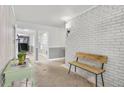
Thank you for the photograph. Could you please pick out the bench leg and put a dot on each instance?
(96, 80)
(102, 79)
(69, 69)
(75, 68)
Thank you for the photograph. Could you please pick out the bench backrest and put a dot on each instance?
(98, 58)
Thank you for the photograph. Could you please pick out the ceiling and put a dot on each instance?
(51, 15)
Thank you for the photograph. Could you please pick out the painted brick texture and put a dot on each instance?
(99, 31)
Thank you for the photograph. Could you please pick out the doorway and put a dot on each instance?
(43, 46)
(23, 43)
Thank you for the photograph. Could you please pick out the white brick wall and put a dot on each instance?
(100, 31)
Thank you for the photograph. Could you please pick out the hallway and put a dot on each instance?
(52, 74)
(89, 37)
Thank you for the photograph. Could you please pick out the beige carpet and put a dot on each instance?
(52, 74)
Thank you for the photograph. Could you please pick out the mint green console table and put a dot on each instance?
(15, 72)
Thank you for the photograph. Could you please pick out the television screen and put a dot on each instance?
(23, 47)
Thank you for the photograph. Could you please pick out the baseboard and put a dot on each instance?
(54, 59)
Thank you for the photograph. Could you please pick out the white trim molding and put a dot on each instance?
(54, 59)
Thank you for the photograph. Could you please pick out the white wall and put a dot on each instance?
(100, 31)
(56, 37)
(6, 35)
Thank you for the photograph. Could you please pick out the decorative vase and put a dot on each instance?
(21, 58)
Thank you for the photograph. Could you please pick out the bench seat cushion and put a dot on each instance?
(87, 67)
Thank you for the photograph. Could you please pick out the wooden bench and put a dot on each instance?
(93, 69)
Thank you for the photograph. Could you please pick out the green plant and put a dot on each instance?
(21, 57)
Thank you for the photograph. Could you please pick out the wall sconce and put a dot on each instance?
(68, 27)
(68, 32)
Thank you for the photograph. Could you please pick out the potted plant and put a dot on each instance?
(21, 57)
